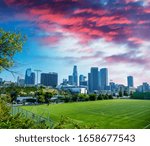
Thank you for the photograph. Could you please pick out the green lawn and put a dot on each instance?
(105, 114)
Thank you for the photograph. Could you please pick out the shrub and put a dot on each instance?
(92, 97)
(100, 97)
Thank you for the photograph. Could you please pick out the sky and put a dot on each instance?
(88, 33)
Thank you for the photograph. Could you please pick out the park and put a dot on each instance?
(105, 114)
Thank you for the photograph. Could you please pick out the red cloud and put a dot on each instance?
(87, 20)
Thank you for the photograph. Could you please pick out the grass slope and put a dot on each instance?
(107, 114)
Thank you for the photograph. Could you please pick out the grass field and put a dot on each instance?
(106, 114)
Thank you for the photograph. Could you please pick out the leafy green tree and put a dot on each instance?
(120, 94)
(48, 96)
(106, 97)
(41, 98)
(10, 44)
(75, 97)
(92, 97)
(100, 97)
(110, 97)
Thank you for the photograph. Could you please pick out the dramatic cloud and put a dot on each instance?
(123, 21)
(98, 32)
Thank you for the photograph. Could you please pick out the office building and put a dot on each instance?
(49, 79)
(82, 80)
(65, 82)
(70, 80)
(20, 82)
(103, 78)
(89, 82)
(29, 77)
(93, 80)
(130, 81)
(145, 87)
(75, 76)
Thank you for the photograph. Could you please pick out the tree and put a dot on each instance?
(17, 121)
(100, 97)
(120, 94)
(10, 44)
(92, 97)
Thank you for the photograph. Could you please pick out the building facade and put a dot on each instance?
(70, 80)
(130, 81)
(75, 76)
(103, 78)
(29, 77)
(82, 80)
(93, 80)
(49, 79)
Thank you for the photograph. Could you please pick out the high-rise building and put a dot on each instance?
(130, 81)
(20, 82)
(89, 82)
(70, 80)
(75, 75)
(146, 87)
(103, 78)
(29, 77)
(49, 79)
(93, 79)
(65, 82)
(82, 80)
(112, 86)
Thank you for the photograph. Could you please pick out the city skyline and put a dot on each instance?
(106, 78)
(97, 78)
(109, 34)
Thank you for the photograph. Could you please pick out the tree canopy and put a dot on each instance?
(10, 44)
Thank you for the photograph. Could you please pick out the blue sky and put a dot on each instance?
(111, 33)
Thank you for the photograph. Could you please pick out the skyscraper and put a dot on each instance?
(29, 77)
(89, 82)
(103, 78)
(94, 79)
(82, 81)
(70, 80)
(20, 82)
(146, 87)
(75, 75)
(49, 79)
(130, 81)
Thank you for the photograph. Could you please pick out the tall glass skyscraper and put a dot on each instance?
(70, 80)
(75, 75)
(49, 79)
(103, 78)
(29, 77)
(94, 79)
(82, 80)
(130, 81)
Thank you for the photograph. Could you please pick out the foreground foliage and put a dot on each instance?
(8, 121)
(10, 44)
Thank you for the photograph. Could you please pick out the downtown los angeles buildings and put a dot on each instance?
(96, 81)
(49, 79)
(29, 77)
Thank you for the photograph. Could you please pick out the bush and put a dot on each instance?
(138, 95)
(67, 99)
(100, 97)
(110, 97)
(74, 97)
(8, 121)
(92, 97)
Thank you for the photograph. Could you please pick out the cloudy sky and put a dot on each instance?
(102, 33)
